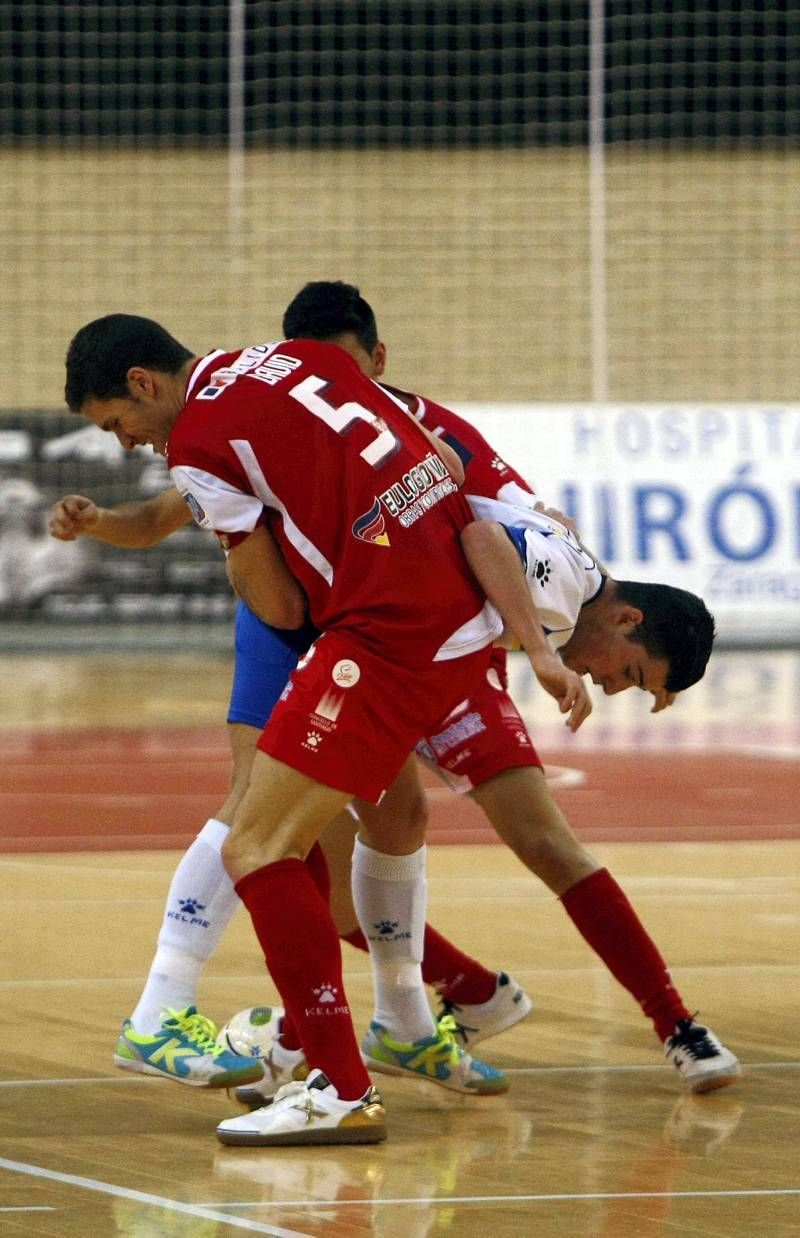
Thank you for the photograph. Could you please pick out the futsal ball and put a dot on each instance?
(250, 1033)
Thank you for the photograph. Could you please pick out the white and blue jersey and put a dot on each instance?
(561, 576)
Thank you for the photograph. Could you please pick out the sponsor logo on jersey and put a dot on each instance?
(418, 490)
(371, 527)
(540, 571)
(198, 515)
(346, 673)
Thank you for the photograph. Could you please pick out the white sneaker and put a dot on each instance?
(281, 1066)
(309, 1113)
(508, 1005)
(703, 1061)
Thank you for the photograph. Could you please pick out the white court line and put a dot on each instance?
(41, 1083)
(158, 1201)
(439, 1200)
(37, 1208)
(353, 973)
(508, 1070)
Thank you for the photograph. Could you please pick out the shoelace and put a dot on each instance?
(459, 1028)
(693, 1037)
(197, 1028)
(447, 1029)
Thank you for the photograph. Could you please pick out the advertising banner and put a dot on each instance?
(703, 497)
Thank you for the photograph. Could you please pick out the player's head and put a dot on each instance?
(676, 627)
(126, 374)
(650, 636)
(336, 313)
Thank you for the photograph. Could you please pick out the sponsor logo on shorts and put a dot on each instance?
(471, 724)
(346, 673)
(424, 750)
(371, 527)
(327, 709)
(312, 741)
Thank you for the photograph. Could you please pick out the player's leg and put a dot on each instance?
(520, 807)
(443, 963)
(201, 899)
(390, 896)
(276, 825)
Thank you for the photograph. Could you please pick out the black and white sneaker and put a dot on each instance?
(703, 1061)
(508, 1005)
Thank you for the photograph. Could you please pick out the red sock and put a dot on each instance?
(602, 914)
(456, 976)
(301, 949)
(317, 865)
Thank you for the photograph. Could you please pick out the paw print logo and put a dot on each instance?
(498, 464)
(191, 906)
(386, 927)
(326, 992)
(313, 739)
(542, 571)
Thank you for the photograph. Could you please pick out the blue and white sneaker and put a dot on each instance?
(184, 1049)
(436, 1059)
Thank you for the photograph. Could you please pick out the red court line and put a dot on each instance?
(90, 790)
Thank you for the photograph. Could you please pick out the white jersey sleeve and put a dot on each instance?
(561, 575)
(216, 504)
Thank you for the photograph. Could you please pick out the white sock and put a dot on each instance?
(390, 896)
(199, 907)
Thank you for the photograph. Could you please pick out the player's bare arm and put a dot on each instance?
(258, 574)
(131, 526)
(496, 564)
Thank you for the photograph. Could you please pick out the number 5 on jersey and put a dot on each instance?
(342, 419)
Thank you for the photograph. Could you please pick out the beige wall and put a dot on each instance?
(477, 263)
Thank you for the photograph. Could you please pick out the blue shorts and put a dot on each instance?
(263, 661)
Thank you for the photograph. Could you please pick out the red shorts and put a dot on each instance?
(349, 719)
(483, 736)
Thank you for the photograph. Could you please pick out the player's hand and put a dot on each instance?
(663, 700)
(555, 514)
(563, 684)
(71, 516)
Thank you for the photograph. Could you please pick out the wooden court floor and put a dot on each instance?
(699, 820)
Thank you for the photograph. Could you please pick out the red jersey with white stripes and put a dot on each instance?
(365, 511)
(486, 473)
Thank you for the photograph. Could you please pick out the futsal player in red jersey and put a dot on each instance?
(368, 517)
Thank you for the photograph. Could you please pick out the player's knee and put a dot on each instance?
(417, 815)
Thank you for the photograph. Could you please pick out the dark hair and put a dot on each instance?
(677, 627)
(326, 308)
(102, 352)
